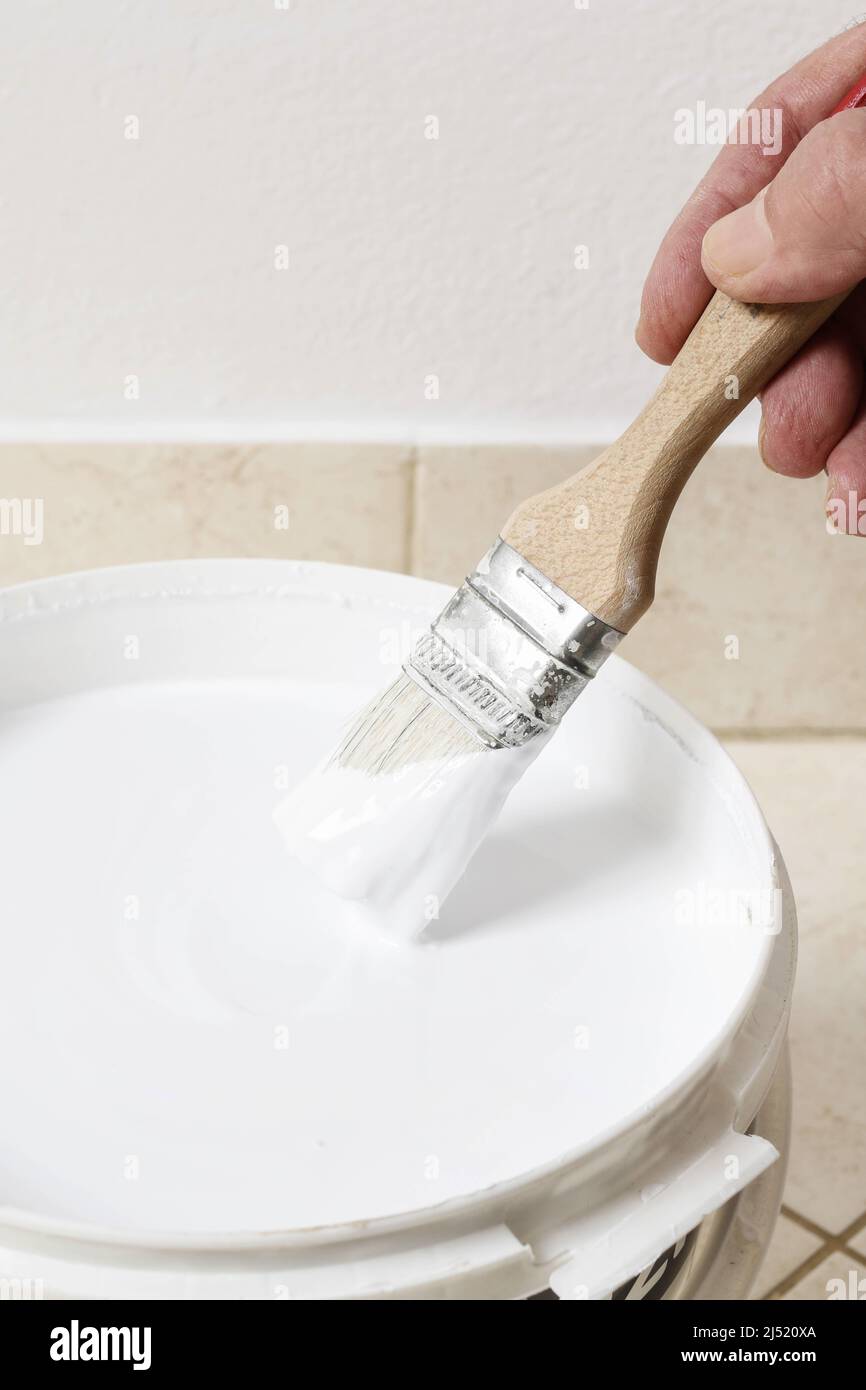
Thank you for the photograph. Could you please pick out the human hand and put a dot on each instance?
(787, 228)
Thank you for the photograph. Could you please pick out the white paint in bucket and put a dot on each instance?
(205, 1056)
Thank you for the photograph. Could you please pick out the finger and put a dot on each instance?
(677, 290)
(846, 481)
(810, 404)
(804, 236)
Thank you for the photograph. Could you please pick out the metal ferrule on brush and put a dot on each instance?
(511, 652)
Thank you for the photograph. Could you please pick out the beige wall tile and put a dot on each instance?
(748, 556)
(812, 793)
(790, 1246)
(110, 504)
(463, 495)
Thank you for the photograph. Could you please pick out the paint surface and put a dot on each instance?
(196, 1041)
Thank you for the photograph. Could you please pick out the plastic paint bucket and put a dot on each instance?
(574, 1083)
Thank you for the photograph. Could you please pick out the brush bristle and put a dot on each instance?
(401, 727)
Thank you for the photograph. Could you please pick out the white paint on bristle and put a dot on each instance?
(394, 844)
(403, 725)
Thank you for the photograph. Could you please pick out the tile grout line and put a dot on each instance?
(830, 1245)
(847, 1232)
(791, 1280)
(811, 1226)
(856, 1228)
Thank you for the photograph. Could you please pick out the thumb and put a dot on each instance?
(804, 236)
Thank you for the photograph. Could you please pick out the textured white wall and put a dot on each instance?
(305, 127)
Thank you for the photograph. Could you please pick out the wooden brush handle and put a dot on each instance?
(597, 535)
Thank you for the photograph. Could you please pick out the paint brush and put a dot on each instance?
(395, 813)
(574, 567)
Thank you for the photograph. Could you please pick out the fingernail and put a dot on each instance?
(740, 242)
(762, 437)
